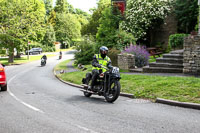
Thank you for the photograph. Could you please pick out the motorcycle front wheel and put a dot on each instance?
(114, 91)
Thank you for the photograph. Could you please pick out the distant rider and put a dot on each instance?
(60, 56)
(45, 58)
(100, 60)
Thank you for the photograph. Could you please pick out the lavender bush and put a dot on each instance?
(141, 54)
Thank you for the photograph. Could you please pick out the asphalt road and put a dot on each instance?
(37, 102)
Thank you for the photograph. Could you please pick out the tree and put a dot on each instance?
(49, 37)
(109, 24)
(67, 27)
(141, 15)
(92, 26)
(20, 21)
(187, 13)
(61, 6)
(48, 6)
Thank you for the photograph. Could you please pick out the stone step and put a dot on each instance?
(166, 65)
(177, 56)
(137, 70)
(177, 52)
(169, 60)
(148, 69)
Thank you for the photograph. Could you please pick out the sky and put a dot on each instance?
(84, 5)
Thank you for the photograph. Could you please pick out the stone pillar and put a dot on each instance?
(191, 55)
(126, 61)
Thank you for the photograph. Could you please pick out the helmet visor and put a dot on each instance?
(104, 52)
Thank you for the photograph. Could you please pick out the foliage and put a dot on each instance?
(52, 18)
(140, 53)
(67, 27)
(49, 37)
(176, 40)
(109, 23)
(113, 54)
(48, 6)
(123, 39)
(92, 27)
(48, 48)
(61, 6)
(144, 14)
(187, 13)
(85, 51)
(23, 20)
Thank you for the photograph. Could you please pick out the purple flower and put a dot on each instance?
(140, 53)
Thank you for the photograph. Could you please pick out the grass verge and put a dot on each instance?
(24, 59)
(183, 89)
(62, 65)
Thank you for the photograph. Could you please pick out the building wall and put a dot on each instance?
(161, 34)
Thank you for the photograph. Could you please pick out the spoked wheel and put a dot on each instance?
(114, 91)
(88, 82)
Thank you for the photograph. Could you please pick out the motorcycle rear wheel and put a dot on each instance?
(114, 92)
(88, 82)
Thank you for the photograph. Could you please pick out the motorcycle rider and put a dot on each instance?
(60, 56)
(45, 58)
(100, 60)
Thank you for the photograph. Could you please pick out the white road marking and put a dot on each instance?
(86, 129)
(19, 100)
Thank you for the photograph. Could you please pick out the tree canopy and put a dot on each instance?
(20, 20)
(141, 14)
(187, 13)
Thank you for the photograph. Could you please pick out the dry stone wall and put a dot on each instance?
(126, 61)
(191, 55)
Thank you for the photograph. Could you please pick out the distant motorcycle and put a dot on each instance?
(107, 84)
(43, 62)
(60, 57)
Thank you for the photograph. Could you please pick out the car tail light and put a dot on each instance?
(1, 69)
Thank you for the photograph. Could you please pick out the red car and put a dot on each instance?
(3, 82)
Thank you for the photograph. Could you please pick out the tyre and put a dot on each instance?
(88, 82)
(114, 91)
(4, 88)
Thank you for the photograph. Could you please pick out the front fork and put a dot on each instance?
(107, 84)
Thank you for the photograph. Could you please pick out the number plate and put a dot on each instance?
(115, 70)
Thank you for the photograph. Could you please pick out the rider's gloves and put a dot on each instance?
(98, 65)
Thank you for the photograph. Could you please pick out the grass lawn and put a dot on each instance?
(24, 59)
(62, 65)
(184, 89)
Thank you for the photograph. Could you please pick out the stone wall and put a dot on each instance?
(191, 55)
(126, 61)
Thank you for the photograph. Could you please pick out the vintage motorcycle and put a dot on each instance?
(107, 84)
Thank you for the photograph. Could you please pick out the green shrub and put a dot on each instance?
(176, 41)
(85, 51)
(3, 52)
(140, 53)
(113, 54)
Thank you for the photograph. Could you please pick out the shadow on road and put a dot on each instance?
(92, 99)
(70, 52)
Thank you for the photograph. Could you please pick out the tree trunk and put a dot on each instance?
(11, 55)
(18, 55)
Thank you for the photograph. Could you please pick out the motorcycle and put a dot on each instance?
(43, 62)
(60, 57)
(107, 84)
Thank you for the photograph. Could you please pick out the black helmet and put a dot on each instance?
(103, 51)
